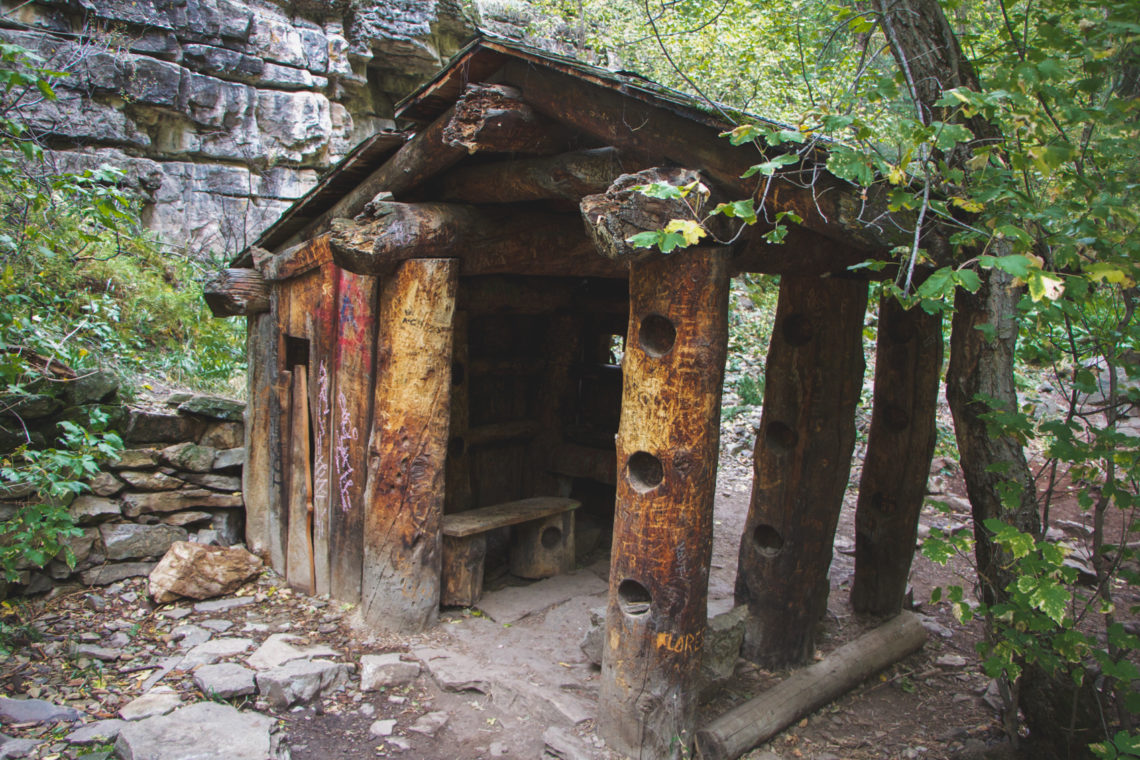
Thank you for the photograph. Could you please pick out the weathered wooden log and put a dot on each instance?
(353, 377)
(408, 445)
(299, 560)
(585, 462)
(621, 212)
(543, 548)
(493, 118)
(827, 205)
(293, 261)
(557, 390)
(813, 378)
(568, 176)
(761, 718)
(540, 244)
(461, 571)
(261, 486)
(281, 456)
(908, 366)
(667, 455)
(236, 293)
(501, 432)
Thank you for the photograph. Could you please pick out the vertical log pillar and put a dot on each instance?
(908, 363)
(803, 459)
(261, 473)
(662, 542)
(353, 377)
(407, 449)
(300, 559)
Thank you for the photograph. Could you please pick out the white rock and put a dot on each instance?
(430, 724)
(378, 670)
(212, 651)
(301, 681)
(382, 727)
(276, 651)
(158, 701)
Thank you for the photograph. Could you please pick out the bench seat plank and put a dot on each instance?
(473, 521)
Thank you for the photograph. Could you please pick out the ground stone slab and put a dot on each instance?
(13, 748)
(454, 671)
(222, 605)
(202, 730)
(99, 732)
(382, 727)
(158, 701)
(96, 652)
(430, 724)
(513, 604)
(378, 670)
(225, 680)
(107, 574)
(189, 635)
(563, 744)
(276, 651)
(301, 681)
(212, 651)
(34, 711)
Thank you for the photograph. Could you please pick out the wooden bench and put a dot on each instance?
(542, 545)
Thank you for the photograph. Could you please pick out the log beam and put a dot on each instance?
(667, 457)
(407, 449)
(236, 293)
(614, 216)
(539, 244)
(908, 367)
(813, 378)
(568, 176)
(759, 719)
(493, 118)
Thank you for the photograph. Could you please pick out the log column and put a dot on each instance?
(803, 458)
(662, 542)
(407, 449)
(908, 363)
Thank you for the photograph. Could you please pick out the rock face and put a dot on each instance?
(224, 112)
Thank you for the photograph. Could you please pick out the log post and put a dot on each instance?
(353, 377)
(261, 473)
(299, 547)
(813, 378)
(406, 451)
(236, 292)
(667, 459)
(908, 365)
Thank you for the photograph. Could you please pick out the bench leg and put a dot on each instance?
(462, 571)
(543, 548)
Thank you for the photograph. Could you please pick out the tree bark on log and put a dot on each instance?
(493, 118)
(353, 363)
(614, 216)
(761, 718)
(568, 176)
(236, 293)
(667, 456)
(408, 446)
(540, 244)
(908, 367)
(813, 378)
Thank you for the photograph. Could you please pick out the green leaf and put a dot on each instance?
(768, 168)
(1052, 599)
(744, 210)
(661, 190)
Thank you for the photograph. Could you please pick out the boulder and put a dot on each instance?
(94, 387)
(154, 426)
(189, 456)
(130, 541)
(201, 572)
(223, 435)
(105, 484)
(205, 729)
(225, 680)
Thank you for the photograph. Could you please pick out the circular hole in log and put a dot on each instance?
(768, 541)
(797, 330)
(458, 374)
(656, 335)
(644, 471)
(779, 437)
(633, 598)
(895, 417)
(551, 537)
(456, 446)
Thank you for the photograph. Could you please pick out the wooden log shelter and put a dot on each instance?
(457, 362)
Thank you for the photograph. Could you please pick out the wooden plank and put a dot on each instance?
(813, 378)
(503, 515)
(320, 331)
(408, 445)
(299, 559)
(294, 261)
(667, 454)
(353, 376)
(261, 473)
(900, 446)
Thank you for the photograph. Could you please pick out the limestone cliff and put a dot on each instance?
(224, 112)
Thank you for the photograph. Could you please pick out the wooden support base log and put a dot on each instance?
(761, 718)
(568, 176)
(803, 458)
(662, 540)
(908, 365)
(236, 292)
(404, 493)
(539, 244)
(621, 212)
